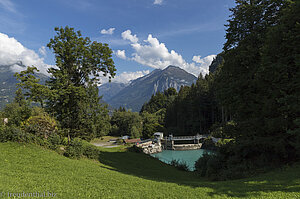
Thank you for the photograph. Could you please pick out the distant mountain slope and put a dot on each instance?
(140, 90)
(108, 90)
(131, 96)
(8, 84)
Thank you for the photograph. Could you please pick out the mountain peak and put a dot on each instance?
(140, 90)
(171, 67)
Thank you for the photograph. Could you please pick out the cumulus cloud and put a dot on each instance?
(158, 2)
(109, 31)
(126, 35)
(12, 53)
(121, 54)
(204, 62)
(126, 77)
(156, 55)
(43, 51)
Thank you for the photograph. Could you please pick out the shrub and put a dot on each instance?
(79, 148)
(41, 125)
(90, 151)
(181, 165)
(11, 133)
(16, 114)
(54, 141)
(209, 165)
(201, 164)
(135, 149)
(16, 134)
(223, 142)
(208, 144)
(65, 141)
(75, 149)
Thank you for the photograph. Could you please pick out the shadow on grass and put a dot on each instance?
(147, 167)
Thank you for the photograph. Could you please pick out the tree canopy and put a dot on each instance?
(71, 94)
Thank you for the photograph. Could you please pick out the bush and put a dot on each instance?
(41, 125)
(223, 130)
(79, 148)
(209, 165)
(208, 144)
(16, 134)
(181, 165)
(54, 141)
(65, 141)
(223, 142)
(201, 164)
(75, 149)
(16, 114)
(90, 151)
(135, 149)
(11, 133)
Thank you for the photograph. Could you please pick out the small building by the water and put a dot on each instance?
(158, 135)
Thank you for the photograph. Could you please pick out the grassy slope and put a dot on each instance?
(124, 174)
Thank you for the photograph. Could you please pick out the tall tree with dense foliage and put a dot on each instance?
(71, 94)
(159, 100)
(258, 86)
(79, 65)
(126, 123)
(194, 110)
(151, 124)
(280, 75)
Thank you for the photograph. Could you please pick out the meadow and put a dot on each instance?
(123, 174)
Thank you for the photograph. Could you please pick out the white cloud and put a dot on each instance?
(126, 35)
(156, 55)
(13, 52)
(126, 77)
(7, 5)
(109, 31)
(158, 2)
(43, 51)
(204, 62)
(121, 54)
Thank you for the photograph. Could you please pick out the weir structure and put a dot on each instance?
(182, 142)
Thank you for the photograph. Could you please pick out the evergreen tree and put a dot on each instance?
(258, 86)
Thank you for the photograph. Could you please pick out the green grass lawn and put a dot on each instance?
(122, 174)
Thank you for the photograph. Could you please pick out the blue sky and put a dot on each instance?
(144, 34)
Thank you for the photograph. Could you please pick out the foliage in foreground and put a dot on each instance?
(122, 174)
(34, 125)
(181, 165)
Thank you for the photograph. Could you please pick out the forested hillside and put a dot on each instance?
(251, 95)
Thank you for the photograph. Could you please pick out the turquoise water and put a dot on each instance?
(189, 157)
